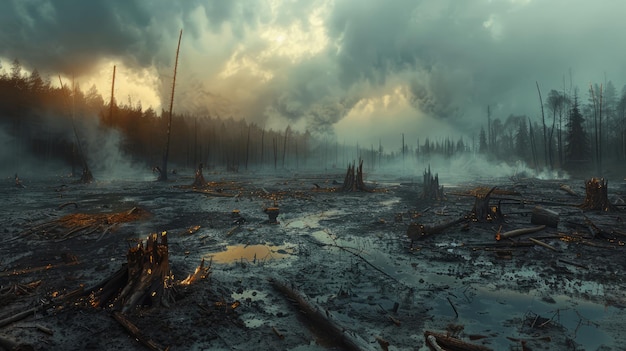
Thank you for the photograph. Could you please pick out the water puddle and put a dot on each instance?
(509, 312)
(252, 253)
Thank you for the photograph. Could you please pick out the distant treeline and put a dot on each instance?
(43, 119)
(568, 135)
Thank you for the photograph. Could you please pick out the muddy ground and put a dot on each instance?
(345, 253)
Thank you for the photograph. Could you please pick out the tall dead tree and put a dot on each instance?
(112, 98)
(163, 175)
(543, 120)
(86, 176)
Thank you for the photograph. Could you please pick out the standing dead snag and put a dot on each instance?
(432, 190)
(596, 196)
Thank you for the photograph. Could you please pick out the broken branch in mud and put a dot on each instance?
(355, 254)
(541, 243)
(417, 231)
(447, 342)
(322, 320)
(518, 232)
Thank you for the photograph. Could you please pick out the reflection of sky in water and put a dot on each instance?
(484, 311)
(251, 253)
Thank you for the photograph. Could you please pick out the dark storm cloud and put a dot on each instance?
(454, 57)
(71, 36)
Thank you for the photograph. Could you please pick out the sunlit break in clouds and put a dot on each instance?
(347, 69)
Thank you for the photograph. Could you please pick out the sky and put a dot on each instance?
(354, 70)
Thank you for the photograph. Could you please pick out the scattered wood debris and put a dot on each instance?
(447, 342)
(76, 224)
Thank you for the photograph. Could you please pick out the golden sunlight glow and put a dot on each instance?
(132, 85)
(295, 42)
(391, 113)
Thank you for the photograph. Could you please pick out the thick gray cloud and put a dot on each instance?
(454, 57)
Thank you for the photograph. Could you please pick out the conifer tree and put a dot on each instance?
(577, 143)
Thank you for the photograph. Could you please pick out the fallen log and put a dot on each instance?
(322, 320)
(518, 232)
(447, 342)
(541, 215)
(541, 243)
(417, 231)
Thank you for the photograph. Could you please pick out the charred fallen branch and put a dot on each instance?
(321, 320)
(518, 232)
(447, 342)
(432, 191)
(596, 196)
(354, 182)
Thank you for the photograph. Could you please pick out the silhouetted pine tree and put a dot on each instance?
(577, 142)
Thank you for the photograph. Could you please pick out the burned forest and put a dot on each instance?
(196, 228)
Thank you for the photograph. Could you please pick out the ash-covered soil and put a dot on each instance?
(346, 253)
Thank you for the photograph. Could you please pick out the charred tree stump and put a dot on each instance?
(199, 180)
(144, 281)
(544, 216)
(483, 212)
(348, 181)
(352, 181)
(432, 190)
(596, 196)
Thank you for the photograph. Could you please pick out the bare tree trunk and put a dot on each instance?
(543, 120)
(163, 175)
